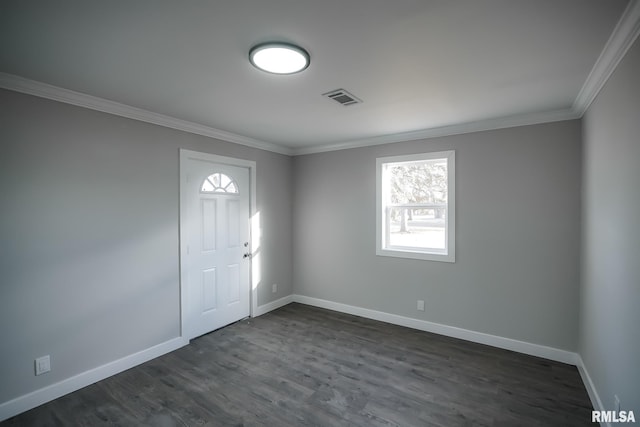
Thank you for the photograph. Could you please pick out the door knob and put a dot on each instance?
(247, 255)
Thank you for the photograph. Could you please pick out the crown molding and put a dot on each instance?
(621, 39)
(55, 93)
(43, 90)
(457, 129)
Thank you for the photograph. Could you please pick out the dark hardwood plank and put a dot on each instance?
(305, 366)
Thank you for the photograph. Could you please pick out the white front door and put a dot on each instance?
(215, 225)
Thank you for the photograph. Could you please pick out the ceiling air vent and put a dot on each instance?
(343, 97)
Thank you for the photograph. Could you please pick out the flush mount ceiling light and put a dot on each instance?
(279, 58)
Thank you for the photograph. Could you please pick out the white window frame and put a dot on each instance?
(446, 255)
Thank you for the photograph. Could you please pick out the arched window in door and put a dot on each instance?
(219, 183)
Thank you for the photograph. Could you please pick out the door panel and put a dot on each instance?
(233, 223)
(234, 283)
(217, 230)
(208, 225)
(209, 290)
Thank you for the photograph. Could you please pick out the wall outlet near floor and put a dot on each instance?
(420, 305)
(616, 403)
(43, 364)
(274, 288)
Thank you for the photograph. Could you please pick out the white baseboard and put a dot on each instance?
(69, 385)
(36, 398)
(450, 331)
(591, 388)
(270, 306)
(44, 395)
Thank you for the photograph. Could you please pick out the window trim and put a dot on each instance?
(450, 226)
(224, 191)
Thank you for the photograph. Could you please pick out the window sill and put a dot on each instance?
(424, 256)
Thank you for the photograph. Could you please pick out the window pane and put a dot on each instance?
(207, 186)
(418, 182)
(416, 206)
(219, 183)
(224, 180)
(417, 228)
(421, 186)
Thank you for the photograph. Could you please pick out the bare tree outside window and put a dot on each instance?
(418, 197)
(416, 206)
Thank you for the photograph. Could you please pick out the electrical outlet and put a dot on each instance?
(274, 288)
(43, 365)
(616, 404)
(420, 305)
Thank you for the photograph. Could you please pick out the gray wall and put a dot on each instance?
(610, 297)
(89, 236)
(89, 229)
(516, 273)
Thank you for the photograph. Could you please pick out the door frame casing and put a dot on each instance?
(185, 156)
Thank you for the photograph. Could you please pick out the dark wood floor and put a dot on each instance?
(302, 366)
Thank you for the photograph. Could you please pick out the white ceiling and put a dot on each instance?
(416, 64)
